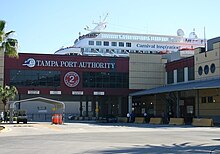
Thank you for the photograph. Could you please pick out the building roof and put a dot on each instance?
(191, 85)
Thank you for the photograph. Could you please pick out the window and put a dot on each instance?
(210, 99)
(212, 68)
(105, 80)
(206, 69)
(180, 75)
(191, 73)
(200, 70)
(203, 99)
(121, 44)
(36, 78)
(114, 44)
(106, 43)
(98, 43)
(128, 44)
(91, 42)
(170, 78)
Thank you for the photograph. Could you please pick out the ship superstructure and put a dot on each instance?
(115, 44)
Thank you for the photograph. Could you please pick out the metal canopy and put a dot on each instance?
(191, 85)
(58, 104)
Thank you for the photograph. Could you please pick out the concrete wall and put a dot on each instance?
(210, 109)
(146, 71)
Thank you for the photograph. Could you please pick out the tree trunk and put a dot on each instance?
(4, 103)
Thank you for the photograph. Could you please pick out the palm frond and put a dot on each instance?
(9, 33)
(2, 25)
(11, 48)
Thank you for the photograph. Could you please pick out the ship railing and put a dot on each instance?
(149, 37)
(90, 35)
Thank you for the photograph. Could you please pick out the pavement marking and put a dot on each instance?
(53, 127)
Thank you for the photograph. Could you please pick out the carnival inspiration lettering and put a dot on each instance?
(156, 46)
(31, 62)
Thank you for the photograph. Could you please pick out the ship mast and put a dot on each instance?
(101, 25)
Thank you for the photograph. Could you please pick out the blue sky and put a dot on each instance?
(43, 26)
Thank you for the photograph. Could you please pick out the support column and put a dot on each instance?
(186, 74)
(119, 106)
(174, 76)
(87, 107)
(165, 78)
(80, 106)
(129, 104)
(93, 106)
(97, 107)
(178, 105)
(197, 101)
(11, 112)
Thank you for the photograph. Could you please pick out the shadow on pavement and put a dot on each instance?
(183, 148)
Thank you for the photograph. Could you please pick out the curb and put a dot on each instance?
(4, 129)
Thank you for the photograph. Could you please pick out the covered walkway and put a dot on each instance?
(176, 89)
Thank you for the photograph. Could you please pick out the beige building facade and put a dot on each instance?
(146, 71)
(202, 100)
(207, 64)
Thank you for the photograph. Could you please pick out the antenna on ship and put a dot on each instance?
(205, 42)
(101, 25)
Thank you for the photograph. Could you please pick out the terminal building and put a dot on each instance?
(177, 84)
(191, 87)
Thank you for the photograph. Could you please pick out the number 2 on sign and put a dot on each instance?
(72, 78)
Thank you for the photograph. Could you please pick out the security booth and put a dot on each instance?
(58, 108)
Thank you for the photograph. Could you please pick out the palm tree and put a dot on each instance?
(7, 93)
(7, 45)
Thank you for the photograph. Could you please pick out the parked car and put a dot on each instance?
(109, 119)
(21, 116)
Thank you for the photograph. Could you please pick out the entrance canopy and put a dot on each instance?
(191, 85)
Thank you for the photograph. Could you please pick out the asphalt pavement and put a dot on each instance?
(107, 138)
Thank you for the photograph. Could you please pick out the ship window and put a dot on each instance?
(114, 43)
(128, 44)
(121, 44)
(99, 43)
(106, 43)
(91, 42)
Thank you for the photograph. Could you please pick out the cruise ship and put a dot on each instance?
(115, 44)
